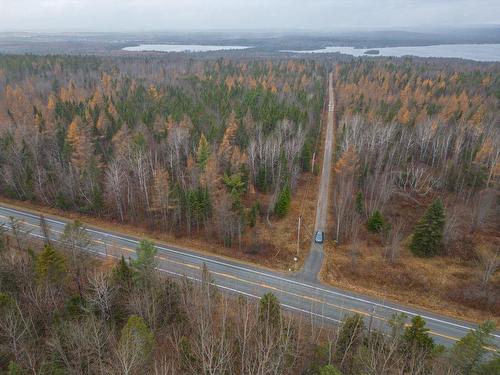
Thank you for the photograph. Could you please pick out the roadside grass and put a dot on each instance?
(441, 284)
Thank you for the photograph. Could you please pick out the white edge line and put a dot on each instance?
(217, 285)
(208, 260)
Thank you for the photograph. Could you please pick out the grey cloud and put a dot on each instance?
(129, 15)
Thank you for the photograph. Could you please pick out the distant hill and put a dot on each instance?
(262, 41)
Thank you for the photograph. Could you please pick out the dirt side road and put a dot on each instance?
(313, 263)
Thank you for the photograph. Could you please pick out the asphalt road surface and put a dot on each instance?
(312, 299)
(314, 261)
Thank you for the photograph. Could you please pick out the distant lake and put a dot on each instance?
(478, 52)
(180, 48)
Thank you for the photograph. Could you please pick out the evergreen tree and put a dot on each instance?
(123, 274)
(306, 156)
(252, 216)
(199, 205)
(417, 336)
(145, 263)
(15, 369)
(236, 188)
(3, 238)
(262, 180)
(329, 370)
(427, 239)
(490, 367)
(269, 310)
(202, 153)
(283, 203)
(359, 203)
(6, 302)
(468, 353)
(376, 222)
(50, 265)
(136, 337)
(350, 337)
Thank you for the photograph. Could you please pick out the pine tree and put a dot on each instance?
(145, 263)
(359, 203)
(283, 203)
(329, 370)
(269, 310)
(123, 274)
(427, 240)
(376, 222)
(468, 353)
(417, 336)
(15, 369)
(3, 238)
(137, 338)
(202, 153)
(50, 265)
(350, 337)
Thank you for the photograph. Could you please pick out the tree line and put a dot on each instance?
(62, 312)
(179, 145)
(421, 139)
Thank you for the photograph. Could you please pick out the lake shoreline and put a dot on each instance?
(476, 52)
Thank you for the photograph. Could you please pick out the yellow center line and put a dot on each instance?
(259, 284)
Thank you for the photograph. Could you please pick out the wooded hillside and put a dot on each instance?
(178, 145)
(418, 176)
(62, 312)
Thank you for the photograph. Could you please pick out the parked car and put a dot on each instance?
(319, 237)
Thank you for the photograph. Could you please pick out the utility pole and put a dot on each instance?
(106, 246)
(298, 235)
(312, 163)
(371, 320)
(45, 230)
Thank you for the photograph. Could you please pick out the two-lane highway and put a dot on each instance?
(324, 303)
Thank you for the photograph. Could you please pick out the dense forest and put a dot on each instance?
(219, 150)
(188, 147)
(64, 312)
(418, 169)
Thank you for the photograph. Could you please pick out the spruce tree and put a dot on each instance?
(469, 352)
(145, 262)
(137, 337)
(427, 239)
(359, 203)
(283, 204)
(417, 336)
(329, 370)
(349, 339)
(376, 222)
(50, 265)
(203, 152)
(269, 310)
(3, 238)
(123, 274)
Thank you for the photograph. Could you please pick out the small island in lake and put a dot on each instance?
(372, 52)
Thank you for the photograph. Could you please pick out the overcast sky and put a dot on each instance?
(148, 15)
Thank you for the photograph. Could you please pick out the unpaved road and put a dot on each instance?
(301, 295)
(314, 261)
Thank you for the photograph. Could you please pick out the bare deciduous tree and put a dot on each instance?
(100, 293)
(393, 242)
(489, 261)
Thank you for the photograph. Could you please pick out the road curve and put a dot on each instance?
(326, 304)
